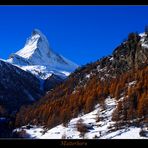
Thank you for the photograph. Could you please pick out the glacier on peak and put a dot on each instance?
(37, 54)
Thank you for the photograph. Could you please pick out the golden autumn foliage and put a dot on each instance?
(135, 103)
(68, 101)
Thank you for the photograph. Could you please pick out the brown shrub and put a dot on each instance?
(81, 127)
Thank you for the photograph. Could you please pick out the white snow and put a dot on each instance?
(127, 133)
(101, 70)
(37, 40)
(144, 43)
(87, 76)
(38, 58)
(111, 59)
(44, 72)
(132, 83)
(142, 34)
(99, 130)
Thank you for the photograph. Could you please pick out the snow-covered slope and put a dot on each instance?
(144, 40)
(108, 120)
(38, 58)
(103, 129)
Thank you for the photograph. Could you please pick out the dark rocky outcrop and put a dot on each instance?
(17, 87)
(52, 82)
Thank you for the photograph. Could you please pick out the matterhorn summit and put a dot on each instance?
(38, 58)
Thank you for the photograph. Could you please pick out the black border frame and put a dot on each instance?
(75, 142)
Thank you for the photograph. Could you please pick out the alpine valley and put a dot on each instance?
(27, 75)
(46, 96)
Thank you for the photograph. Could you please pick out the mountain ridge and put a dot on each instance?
(121, 76)
(15, 81)
(38, 58)
(27, 75)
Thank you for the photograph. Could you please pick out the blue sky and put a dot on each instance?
(80, 33)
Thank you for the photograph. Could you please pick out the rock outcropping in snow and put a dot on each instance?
(38, 58)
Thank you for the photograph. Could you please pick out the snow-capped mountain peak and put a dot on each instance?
(38, 58)
(36, 45)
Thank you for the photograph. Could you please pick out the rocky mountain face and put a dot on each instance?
(133, 53)
(52, 82)
(17, 87)
(31, 71)
(38, 58)
(121, 76)
(27, 75)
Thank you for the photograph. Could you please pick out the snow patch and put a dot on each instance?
(111, 59)
(132, 83)
(87, 76)
(98, 129)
